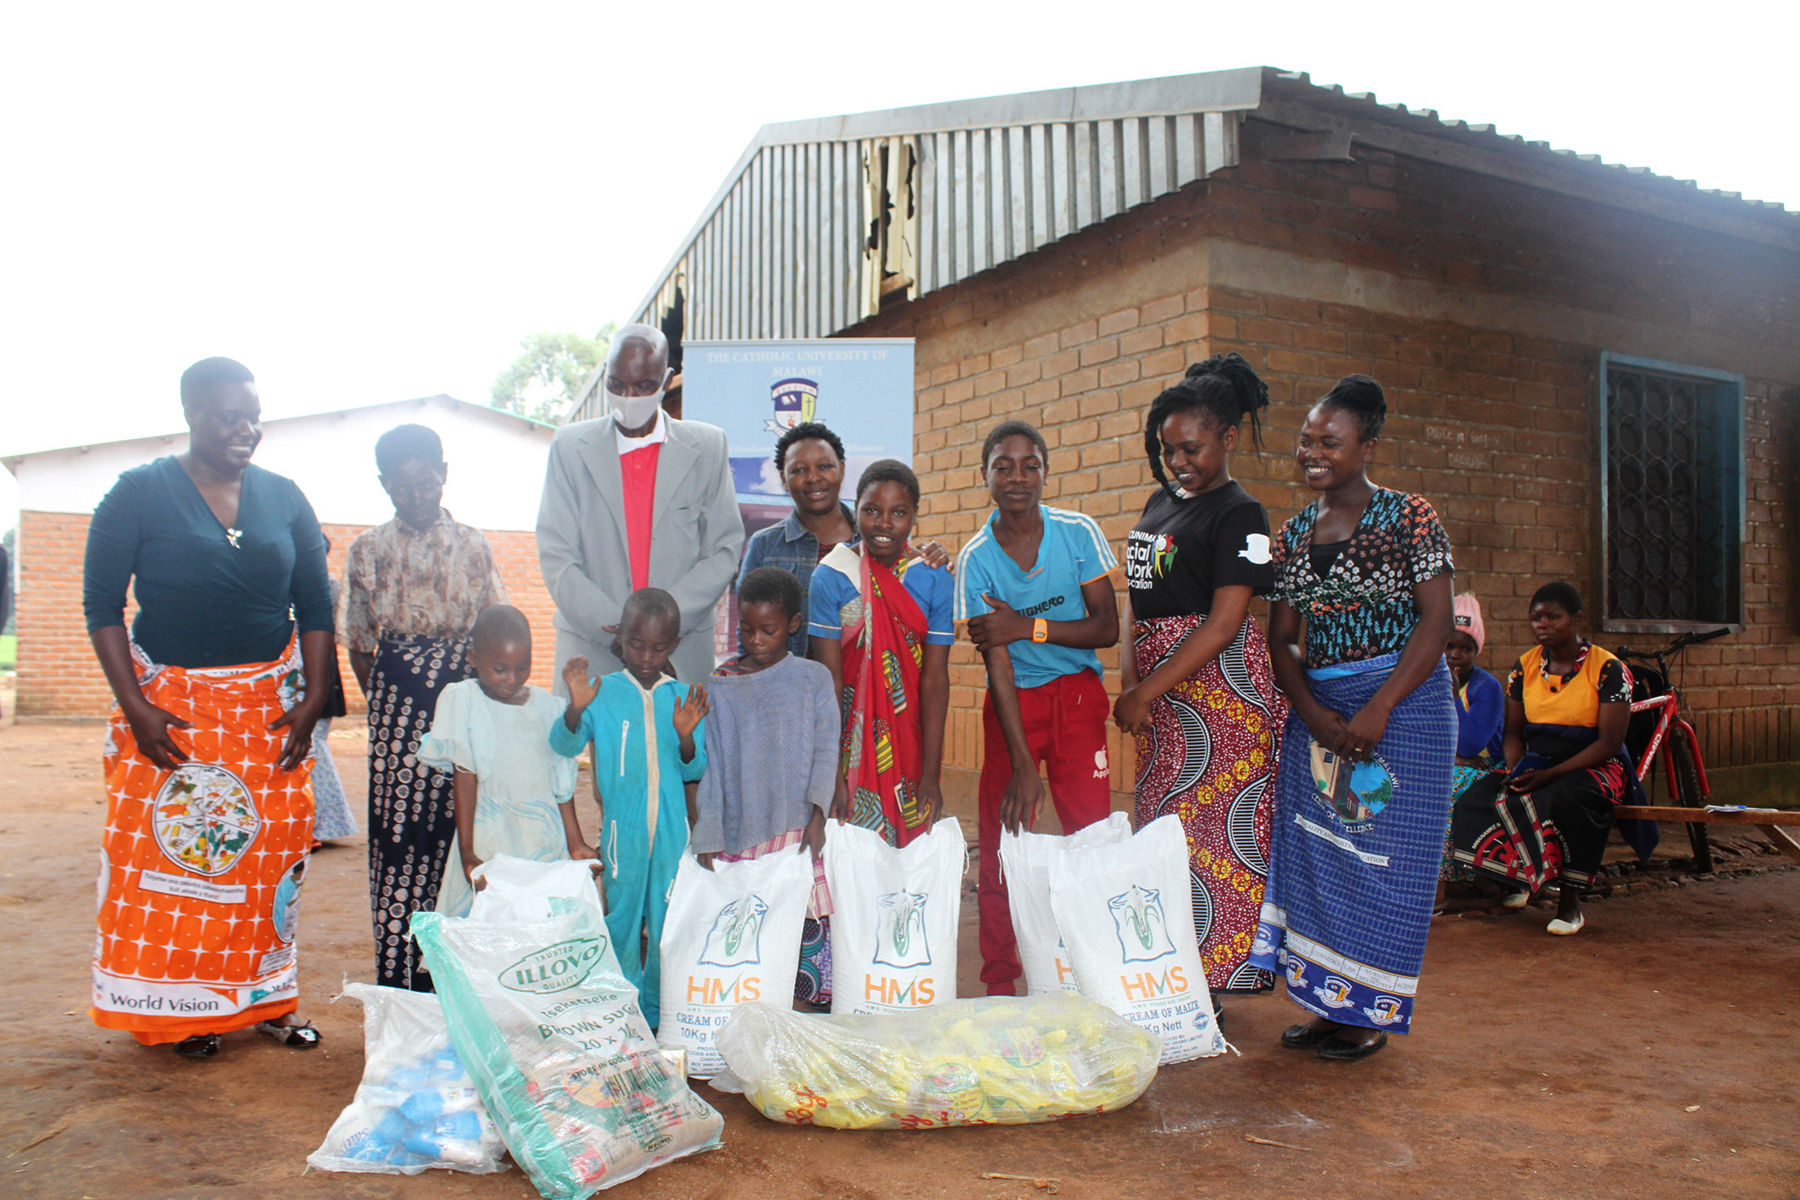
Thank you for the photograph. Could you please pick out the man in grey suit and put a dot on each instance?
(637, 499)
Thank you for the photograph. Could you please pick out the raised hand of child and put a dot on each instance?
(935, 555)
(582, 689)
(689, 712)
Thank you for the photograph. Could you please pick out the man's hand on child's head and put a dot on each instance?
(581, 688)
(689, 712)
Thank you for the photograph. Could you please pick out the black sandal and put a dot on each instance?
(1343, 1051)
(201, 1045)
(1304, 1037)
(295, 1037)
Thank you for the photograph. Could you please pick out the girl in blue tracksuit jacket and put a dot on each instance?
(647, 731)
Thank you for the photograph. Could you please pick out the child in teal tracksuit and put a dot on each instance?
(647, 733)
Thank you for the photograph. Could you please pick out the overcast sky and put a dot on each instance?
(377, 201)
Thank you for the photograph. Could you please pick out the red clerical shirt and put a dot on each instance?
(637, 471)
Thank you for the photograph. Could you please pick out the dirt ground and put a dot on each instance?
(1653, 1055)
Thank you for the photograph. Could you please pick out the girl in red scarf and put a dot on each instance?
(881, 620)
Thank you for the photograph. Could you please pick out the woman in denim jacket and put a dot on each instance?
(810, 459)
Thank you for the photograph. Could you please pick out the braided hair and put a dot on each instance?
(1223, 389)
(1363, 399)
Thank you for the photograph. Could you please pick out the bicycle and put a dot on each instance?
(1670, 734)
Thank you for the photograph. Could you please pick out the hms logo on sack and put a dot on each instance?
(900, 930)
(554, 968)
(735, 939)
(1139, 921)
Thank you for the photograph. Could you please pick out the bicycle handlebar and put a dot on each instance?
(1680, 643)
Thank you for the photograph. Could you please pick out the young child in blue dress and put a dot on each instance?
(647, 732)
(513, 796)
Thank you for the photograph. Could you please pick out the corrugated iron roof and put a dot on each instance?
(820, 218)
(1334, 96)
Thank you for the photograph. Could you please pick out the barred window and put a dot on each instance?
(1672, 449)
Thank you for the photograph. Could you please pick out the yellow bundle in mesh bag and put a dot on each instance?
(1002, 1060)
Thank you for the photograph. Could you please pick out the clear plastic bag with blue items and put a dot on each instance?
(552, 1034)
(416, 1108)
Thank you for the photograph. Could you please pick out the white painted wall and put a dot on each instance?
(496, 463)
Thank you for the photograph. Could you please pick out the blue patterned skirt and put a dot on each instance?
(1355, 853)
(332, 817)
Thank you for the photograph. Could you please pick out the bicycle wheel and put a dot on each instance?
(1687, 795)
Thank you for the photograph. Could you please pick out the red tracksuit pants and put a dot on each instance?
(1065, 729)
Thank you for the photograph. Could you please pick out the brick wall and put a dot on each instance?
(1481, 306)
(59, 677)
(57, 674)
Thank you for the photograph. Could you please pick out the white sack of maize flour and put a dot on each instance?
(416, 1107)
(1025, 860)
(732, 934)
(523, 889)
(552, 1035)
(1127, 919)
(893, 926)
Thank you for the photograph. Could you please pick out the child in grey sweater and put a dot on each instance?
(772, 757)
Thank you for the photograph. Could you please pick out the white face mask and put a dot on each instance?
(633, 412)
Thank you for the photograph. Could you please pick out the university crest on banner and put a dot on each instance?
(795, 400)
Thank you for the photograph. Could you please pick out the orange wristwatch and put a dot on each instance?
(1040, 630)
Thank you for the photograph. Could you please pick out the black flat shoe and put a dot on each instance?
(204, 1045)
(295, 1037)
(1338, 1048)
(1304, 1037)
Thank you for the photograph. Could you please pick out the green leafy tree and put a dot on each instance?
(541, 383)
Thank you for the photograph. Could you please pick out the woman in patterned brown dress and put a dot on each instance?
(412, 590)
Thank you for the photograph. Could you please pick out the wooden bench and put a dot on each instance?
(1781, 828)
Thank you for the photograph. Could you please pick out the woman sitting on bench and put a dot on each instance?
(1567, 705)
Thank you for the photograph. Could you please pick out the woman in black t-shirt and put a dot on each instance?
(1197, 688)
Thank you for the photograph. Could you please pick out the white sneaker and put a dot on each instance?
(1516, 900)
(1562, 928)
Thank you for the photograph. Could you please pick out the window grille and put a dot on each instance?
(1672, 447)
